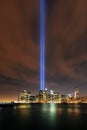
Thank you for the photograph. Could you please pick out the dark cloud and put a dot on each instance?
(6, 80)
(66, 37)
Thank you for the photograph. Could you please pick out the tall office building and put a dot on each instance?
(76, 93)
(24, 96)
(43, 95)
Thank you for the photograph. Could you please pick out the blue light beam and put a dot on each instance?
(42, 44)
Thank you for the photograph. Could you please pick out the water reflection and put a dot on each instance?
(22, 110)
(23, 106)
(52, 108)
(44, 117)
(49, 107)
(74, 109)
(49, 115)
(0, 108)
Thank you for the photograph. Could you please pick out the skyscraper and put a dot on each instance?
(76, 93)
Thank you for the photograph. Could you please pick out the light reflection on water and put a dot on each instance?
(51, 107)
(1, 108)
(23, 110)
(74, 109)
(44, 117)
(23, 106)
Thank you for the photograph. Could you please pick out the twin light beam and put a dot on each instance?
(42, 44)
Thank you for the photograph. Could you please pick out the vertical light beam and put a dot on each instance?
(42, 44)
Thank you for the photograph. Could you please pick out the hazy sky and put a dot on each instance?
(66, 46)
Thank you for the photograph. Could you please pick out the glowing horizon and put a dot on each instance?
(42, 44)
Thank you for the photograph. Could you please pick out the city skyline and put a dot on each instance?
(66, 48)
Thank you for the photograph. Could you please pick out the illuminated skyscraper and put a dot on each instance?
(43, 96)
(24, 96)
(76, 93)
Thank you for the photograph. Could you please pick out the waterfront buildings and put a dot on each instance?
(45, 96)
(24, 96)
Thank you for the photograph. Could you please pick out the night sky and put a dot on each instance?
(66, 46)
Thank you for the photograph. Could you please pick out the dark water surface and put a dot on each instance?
(44, 117)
